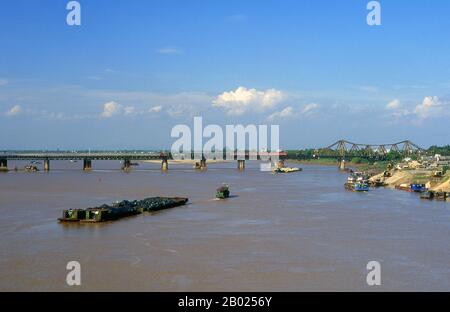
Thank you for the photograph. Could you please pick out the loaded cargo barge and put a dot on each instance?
(121, 209)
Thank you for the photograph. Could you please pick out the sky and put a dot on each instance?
(134, 69)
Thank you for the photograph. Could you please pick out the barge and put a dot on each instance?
(286, 170)
(121, 209)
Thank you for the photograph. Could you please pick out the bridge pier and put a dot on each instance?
(241, 164)
(3, 164)
(87, 165)
(164, 164)
(342, 164)
(47, 165)
(203, 164)
(126, 165)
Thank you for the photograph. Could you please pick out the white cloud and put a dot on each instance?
(394, 104)
(397, 109)
(110, 109)
(431, 106)
(3, 82)
(168, 50)
(155, 109)
(309, 109)
(242, 100)
(285, 113)
(129, 110)
(14, 111)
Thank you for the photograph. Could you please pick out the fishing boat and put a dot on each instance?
(440, 196)
(404, 187)
(121, 209)
(361, 187)
(427, 195)
(223, 192)
(418, 188)
(286, 170)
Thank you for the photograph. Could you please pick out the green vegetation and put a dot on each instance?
(445, 169)
(442, 150)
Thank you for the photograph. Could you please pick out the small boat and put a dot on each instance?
(223, 192)
(404, 187)
(361, 187)
(418, 188)
(427, 195)
(357, 187)
(73, 161)
(440, 196)
(286, 170)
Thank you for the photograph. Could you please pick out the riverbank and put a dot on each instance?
(418, 176)
(372, 168)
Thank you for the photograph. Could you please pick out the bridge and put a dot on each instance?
(127, 157)
(345, 149)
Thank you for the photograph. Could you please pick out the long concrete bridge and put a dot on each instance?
(128, 157)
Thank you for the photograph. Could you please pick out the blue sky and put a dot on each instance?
(136, 68)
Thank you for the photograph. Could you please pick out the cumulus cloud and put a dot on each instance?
(394, 104)
(242, 100)
(110, 109)
(431, 106)
(155, 109)
(14, 111)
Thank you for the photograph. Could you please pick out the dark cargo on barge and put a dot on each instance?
(121, 209)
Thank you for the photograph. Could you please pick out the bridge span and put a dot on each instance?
(128, 157)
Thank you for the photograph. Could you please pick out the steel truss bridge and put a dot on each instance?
(343, 148)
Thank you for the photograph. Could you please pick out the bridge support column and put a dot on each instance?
(342, 164)
(164, 164)
(3, 164)
(87, 165)
(203, 164)
(47, 165)
(126, 165)
(241, 164)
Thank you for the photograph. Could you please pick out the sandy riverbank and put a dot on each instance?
(415, 176)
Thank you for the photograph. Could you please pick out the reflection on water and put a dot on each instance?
(294, 232)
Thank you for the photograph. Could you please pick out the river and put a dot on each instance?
(293, 232)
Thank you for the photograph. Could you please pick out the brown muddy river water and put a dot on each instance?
(294, 232)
